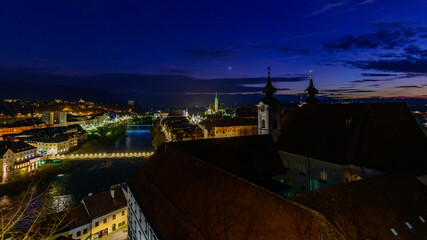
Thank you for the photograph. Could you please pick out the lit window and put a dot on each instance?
(302, 169)
(422, 219)
(324, 176)
(393, 231)
(409, 225)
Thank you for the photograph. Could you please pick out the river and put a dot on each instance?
(93, 176)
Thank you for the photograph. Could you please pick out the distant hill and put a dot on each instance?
(33, 91)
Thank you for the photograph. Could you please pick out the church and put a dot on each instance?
(215, 108)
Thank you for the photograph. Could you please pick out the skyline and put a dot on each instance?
(361, 49)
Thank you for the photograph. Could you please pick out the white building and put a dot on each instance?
(55, 118)
(17, 157)
(97, 216)
(269, 112)
(52, 146)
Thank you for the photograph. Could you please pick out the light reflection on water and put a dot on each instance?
(94, 176)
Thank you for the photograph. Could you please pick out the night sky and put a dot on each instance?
(163, 52)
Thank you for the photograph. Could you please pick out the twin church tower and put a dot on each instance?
(270, 109)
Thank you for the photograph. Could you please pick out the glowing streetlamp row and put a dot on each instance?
(92, 155)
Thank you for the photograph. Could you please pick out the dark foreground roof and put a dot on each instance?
(15, 147)
(103, 203)
(383, 136)
(249, 157)
(369, 208)
(188, 198)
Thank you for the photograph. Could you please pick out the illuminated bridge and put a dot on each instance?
(97, 156)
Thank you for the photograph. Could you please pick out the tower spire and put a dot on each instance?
(269, 90)
(311, 91)
(216, 102)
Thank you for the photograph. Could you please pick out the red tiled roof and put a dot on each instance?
(369, 208)
(103, 203)
(383, 136)
(188, 198)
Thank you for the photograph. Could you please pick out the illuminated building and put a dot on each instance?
(215, 108)
(51, 146)
(269, 111)
(96, 216)
(20, 126)
(55, 118)
(17, 157)
(230, 127)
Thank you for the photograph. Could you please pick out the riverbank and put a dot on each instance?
(42, 176)
(103, 137)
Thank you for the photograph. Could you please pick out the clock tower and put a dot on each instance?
(269, 112)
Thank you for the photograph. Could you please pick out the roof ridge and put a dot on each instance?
(314, 212)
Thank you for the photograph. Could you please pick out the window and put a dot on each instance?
(78, 233)
(85, 231)
(393, 231)
(105, 220)
(114, 216)
(409, 225)
(70, 236)
(96, 224)
(302, 170)
(140, 216)
(123, 213)
(286, 164)
(263, 124)
(323, 176)
(422, 219)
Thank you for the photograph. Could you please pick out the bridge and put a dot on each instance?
(97, 156)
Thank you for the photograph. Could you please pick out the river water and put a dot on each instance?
(94, 176)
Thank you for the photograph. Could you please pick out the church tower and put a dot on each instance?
(311, 91)
(216, 103)
(269, 112)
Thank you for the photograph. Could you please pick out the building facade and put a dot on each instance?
(97, 216)
(269, 112)
(52, 146)
(18, 157)
(58, 118)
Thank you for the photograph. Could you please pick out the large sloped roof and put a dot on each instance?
(188, 198)
(383, 136)
(248, 157)
(369, 208)
(102, 203)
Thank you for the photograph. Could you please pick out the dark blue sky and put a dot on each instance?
(174, 48)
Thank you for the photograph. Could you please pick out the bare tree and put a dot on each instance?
(30, 218)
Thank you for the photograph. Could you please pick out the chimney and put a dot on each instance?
(112, 193)
(89, 194)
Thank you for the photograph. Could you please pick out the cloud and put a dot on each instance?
(210, 53)
(176, 71)
(367, 80)
(366, 2)
(378, 74)
(290, 49)
(384, 35)
(409, 86)
(347, 90)
(418, 65)
(326, 7)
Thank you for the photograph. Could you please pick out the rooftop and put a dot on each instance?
(383, 136)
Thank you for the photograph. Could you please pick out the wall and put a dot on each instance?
(138, 225)
(311, 180)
